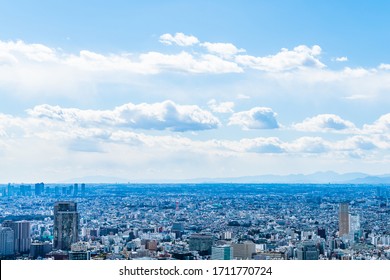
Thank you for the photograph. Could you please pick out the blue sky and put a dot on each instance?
(185, 89)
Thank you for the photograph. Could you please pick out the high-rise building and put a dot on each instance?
(22, 232)
(222, 252)
(66, 225)
(7, 242)
(76, 189)
(83, 189)
(201, 243)
(343, 219)
(354, 223)
(39, 189)
(307, 251)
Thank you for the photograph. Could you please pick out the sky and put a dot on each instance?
(174, 90)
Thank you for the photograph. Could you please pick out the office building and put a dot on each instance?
(343, 219)
(222, 252)
(201, 243)
(244, 251)
(7, 242)
(22, 232)
(39, 189)
(66, 225)
(307, 251)
(40, 249)
(354, 223)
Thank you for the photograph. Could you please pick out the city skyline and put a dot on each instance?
(147, 91)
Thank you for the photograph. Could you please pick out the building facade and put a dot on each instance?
(7, 242)
(66, 225)
(343, 219)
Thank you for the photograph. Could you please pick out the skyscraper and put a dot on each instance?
(343, 219)
(7, 242)
(66, 224)
(22, 232)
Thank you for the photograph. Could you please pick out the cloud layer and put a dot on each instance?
(325, 123)
(159, 116)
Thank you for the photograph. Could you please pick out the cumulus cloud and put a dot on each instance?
(16, 51)
(223, 107)
(357, 142)
(308, 145)
(262, 145)
(223, 49)
(300, 57)
(325, 123)
(160, 116)
(256, 118)
(179, 39)
(381, 125)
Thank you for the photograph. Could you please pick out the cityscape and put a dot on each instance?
(195, 222)
(194, 130)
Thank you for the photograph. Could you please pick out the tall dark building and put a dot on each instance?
(343, 219)
(201, 243)
(66, 225)
(22, 232)
(307, 251)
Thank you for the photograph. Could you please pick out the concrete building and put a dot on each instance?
(40, 249)
(66, 225)
(7, 242)
(22, 235)
(343, 219)
(201, 243)
(307, 251)
(79, 251)
(244, 251)
(222, 252)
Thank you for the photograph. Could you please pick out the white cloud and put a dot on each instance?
(159, 116)
(357, 142)
(256, 118)
(341, 59)
(243, 96)
(384, 66)
(19, 50)
(185, 62)
(325, 123)
(300, 57)
(179, 39)
(308, 145)
(223, 107)
(381, 125)
(223, 49)
(262, 145)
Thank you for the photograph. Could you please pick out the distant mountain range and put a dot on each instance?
(315, 178)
